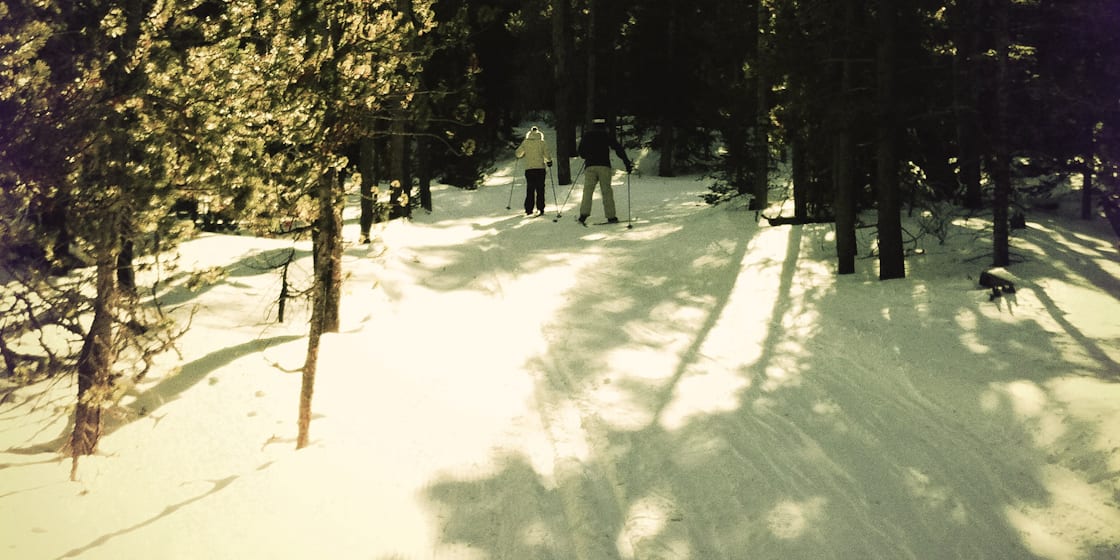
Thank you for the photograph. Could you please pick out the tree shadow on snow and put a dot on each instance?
(854, 433)
(190, 374)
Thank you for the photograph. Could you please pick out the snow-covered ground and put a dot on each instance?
(701, 386)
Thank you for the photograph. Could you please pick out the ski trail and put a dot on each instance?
(574, 435)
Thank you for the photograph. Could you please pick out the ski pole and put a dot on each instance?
(560, 212)
(629, 219)
(553, 183)
(509, 204)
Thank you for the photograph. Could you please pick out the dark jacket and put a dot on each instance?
(595, 147)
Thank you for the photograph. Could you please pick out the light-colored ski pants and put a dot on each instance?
(601, 175)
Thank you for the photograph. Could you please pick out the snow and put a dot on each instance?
(700, 386)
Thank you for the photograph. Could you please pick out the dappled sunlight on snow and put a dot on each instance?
(1027, 398)
(934, 495)
(717, 391)
(1090, 403)
(416, 237)
(1066, 422)
(967, 323)
(699, 386)
(1077, 515)
(654, 231)
(793, 519)
(652, 526)
(1073, 242)
(782, 371)
(1060, 412)
(1079, 301)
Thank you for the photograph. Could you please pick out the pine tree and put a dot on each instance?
(1001, 148)
(563, 109)
(85, 102)
(892, 263)
(359, 64)
(965, 19)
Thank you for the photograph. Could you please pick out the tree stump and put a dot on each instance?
(997, 284)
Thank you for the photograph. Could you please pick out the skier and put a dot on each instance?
(535, 151)
(595, 148)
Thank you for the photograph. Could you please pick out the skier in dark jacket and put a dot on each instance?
(595, 148)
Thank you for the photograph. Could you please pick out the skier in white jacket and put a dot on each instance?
(534, 150)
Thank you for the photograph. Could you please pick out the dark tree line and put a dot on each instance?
(873, 105)
(115, 112)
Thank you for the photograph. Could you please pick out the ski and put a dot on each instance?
(619, 223)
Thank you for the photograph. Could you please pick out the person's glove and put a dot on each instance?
(629, 167)
(548, 163)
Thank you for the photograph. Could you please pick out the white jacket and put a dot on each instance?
(534, 149)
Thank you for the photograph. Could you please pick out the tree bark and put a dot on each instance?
(844, 191)
(327, 241)
(1001, 199)
(96, 359)
(562, 48)
(844, 201)
(667, 145)
(400, 144)
(1087, 174)
(892, 263)
(799, 169)
(367, 167)
(400, 187)
(665, 167)
(966, 104)
(760, 132)
(126, 273)
(310, 368)
(326, 292)
(592, 60)
(424, 172)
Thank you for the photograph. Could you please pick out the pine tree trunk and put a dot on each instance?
(96, 359)
(760, 133)
(892, 262)
(844, 202)
(1087, 175)
(326, 291)
(327, 241)
(799, 170)
(310, 368)
(592, 60)
(400, 148)
(367, 166)
(799, 153)
(400, 188)
(665, 167)
(667, 147)
(421, 109)
(1001, 232)
(966, 104)
(424, 173)
(844, 191)
(562, 48)
(126, 274)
